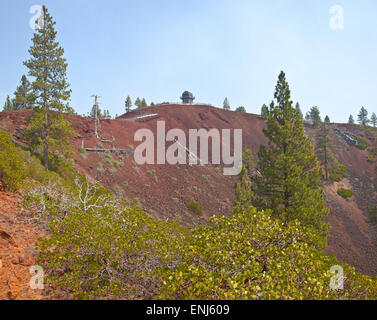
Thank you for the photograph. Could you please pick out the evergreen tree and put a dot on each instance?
(327, 119)
(362, 117)
(226, 105)
(128, 104)
(8, 105)
(373, 119)
(138, 103)
(351, 120)
(48, 127)
(243, 188)
(24, 97)
(298, 108)
(144, 103)
(289, 179)
(264, 112)
(322, 148)
(314, 116)
(241, 109)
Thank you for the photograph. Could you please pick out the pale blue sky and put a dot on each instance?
(215, 48)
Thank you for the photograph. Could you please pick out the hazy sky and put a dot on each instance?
(215, 48)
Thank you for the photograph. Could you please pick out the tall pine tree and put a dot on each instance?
(362, 117)
(24, 97)
(351, 120)
(8, 105)
(289, 179)
(48, 130)
(226, 104)
(128, 104)
(373, 120)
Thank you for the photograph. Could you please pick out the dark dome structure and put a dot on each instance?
(187, 97)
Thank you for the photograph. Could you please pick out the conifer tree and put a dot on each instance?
(138, 103)
(24, 98)
(351, 119)
(48, 128)
(289, 179)
(226, 105)
(322, 149)
(264, 112)
(144, 103)
(298, 108)
(314, 116)
(373, 120)
(8, 105)
(327, 119)
(128, 104)
(362, 117)
(241, 109)
(243, 188)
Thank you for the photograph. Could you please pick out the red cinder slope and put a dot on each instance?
(163, 190)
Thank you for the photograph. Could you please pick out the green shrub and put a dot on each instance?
(151, 172)
(345, 193)
(118, 190)
(338, 171)
(362, 143)
(112, 171)
(100, 168)
(12, 167)
(81, 149)
(195, 207)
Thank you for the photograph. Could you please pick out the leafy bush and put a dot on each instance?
(362, 143)
(345, 193)
(12, 167)
(195, 207)
(251, 255)
(102, 248)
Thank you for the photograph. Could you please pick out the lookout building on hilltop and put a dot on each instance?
(187, 97)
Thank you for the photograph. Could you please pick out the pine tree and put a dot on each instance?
(144, 103)
(138, 103)
(298, 108)
(373, 119)
(314, 116)
(351, 120)
(289, 179)
(322, 148)
(243, 188)
(128, 104)
(48, 127)
(241, 109)
(226, 105)
(8, 105)
(327, 119)
(24, 97)
(264, 112)
(362, 117)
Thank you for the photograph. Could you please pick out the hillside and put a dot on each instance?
(163, 190)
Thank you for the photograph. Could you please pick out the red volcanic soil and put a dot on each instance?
(163, 190)
(17, 249)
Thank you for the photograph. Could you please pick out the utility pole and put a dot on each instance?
(95, 114)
